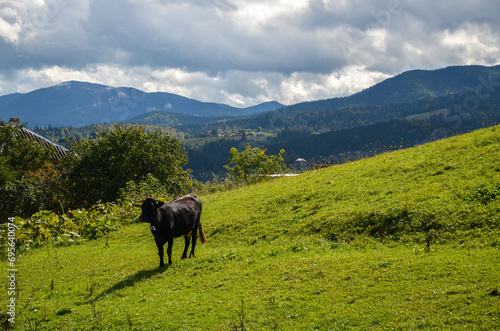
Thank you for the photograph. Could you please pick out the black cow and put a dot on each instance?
(180, 217)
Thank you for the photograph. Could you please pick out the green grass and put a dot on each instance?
(407, 240)
(427, 115)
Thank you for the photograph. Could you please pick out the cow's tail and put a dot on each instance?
(202, 234)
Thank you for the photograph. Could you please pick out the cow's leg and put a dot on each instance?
(186, 246)
(160, 252)
(169, 250)
(194, 235)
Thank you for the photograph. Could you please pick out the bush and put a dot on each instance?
(34, 191)
(28, 181)
(6, 173)
(149, 187)
(74, 227)
(20, 154)
(252, 164)
(100, 167)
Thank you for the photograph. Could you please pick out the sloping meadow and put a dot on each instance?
(405, 240)
(445, 191)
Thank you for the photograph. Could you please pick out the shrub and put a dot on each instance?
(6, 173)
(148, 187)
(28, 181)
(100, 167)
(36, 190)
(252, 164)
(74, 227)
(20, 154)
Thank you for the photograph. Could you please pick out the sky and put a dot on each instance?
(240, 52)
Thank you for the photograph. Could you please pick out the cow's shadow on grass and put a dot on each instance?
(130, 281)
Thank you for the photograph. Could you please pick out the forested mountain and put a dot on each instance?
(163, 118)
(413, 92)
(365, 131)
(167, 118)
(408, 87)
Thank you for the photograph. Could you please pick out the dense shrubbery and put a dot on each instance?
(149, 187)
(75, 226)
(6, 173)
(252, 164)
(28, 181)
(19, 154)
(36, 190)
(98, 168)
(95, 170)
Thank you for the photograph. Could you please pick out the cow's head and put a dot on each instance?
(149, 207)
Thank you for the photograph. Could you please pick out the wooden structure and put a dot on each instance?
(59, 151)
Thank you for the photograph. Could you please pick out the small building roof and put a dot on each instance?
(59, 151)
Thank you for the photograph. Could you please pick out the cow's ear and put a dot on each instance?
(159, 204)
(138, 203)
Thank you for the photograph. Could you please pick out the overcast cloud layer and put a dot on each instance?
(240, 52)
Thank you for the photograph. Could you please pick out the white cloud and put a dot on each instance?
(472, 44)
(10, 25)
(260, 14)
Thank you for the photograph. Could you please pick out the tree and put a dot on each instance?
(6, 173)
(28, 180)
(20, 154)
(37, 190)
(252, 164)
(100, 167)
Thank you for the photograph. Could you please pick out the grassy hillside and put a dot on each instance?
(405, 240)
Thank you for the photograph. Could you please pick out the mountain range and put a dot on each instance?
(79, 103)
(409, 86)
(407, 90)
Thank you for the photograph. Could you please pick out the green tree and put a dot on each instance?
(6, 173)
(28, 180)
(252, 164)
(21, 154)
(100, 167)
(37, 190)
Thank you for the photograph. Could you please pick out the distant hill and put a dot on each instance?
(8, 98)
(264, 107)
(79, 103)
(167, 118)
(410, 93)
(409, 86)
(164, 118)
